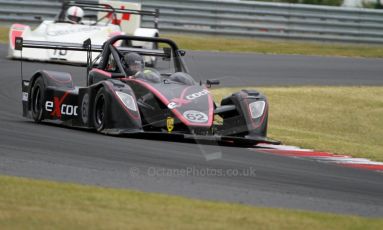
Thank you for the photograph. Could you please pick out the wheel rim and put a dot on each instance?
(100, 110)
(36, 100)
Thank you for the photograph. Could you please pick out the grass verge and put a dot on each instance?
(33, 204)
(210, 43)
(4, 34)
(344, 120)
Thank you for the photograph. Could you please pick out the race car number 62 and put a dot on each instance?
(195, 116)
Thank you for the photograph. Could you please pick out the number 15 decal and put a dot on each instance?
(58, 52)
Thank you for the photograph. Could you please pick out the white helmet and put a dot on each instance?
(74, 14)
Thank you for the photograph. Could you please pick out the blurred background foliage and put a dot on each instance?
(356, 3)
(314, 2)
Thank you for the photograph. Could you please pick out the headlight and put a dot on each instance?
(127, 100)
(257, 108)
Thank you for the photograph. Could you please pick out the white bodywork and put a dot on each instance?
(64, 32)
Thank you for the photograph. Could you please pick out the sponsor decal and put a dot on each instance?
(195, 116)
(178, 102)
(173, 105)
(197, 95)
(57, 108)
(55, 33)
(84, 108)
(116, 21)
(170, 124)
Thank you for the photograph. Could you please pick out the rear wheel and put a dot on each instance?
(99, 110)
(37, 97)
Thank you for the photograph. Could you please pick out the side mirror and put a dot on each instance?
(19, 43)
(182, 52)
(87, 44)
(211, 82)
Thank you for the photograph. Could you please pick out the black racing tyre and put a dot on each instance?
(100, 110)
(37, 99)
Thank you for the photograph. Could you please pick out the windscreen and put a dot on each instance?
(154, 55)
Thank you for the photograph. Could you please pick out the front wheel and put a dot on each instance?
(37, 97)
(99, 110)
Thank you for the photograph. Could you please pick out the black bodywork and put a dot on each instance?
(150, 103)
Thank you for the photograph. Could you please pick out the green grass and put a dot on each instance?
(4, 34)
(210, 43)
(33, 204)
(344, 120)
(275, 46)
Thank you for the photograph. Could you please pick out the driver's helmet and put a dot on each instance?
(134, 63)
(74, 14)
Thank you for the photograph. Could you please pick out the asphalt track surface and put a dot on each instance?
(47, 151)
(239, 69)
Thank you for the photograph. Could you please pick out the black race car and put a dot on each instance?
(165, 100)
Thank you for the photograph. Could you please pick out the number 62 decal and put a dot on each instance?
(195, 116)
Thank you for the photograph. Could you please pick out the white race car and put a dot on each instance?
(80, 20)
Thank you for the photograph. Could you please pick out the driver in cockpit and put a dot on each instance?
(74, 14)
(134, 64)
(134, 68)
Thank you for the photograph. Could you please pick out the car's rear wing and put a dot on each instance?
(21, 43)
(87, 46)
(109, 10)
